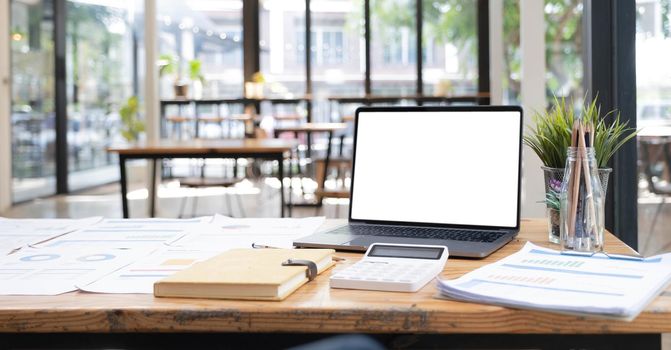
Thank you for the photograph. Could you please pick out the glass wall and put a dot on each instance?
(512, 87)
(338, 58)
(563, 49)
(282, 45)
(200, 46)
(33, 119)
(653, 100)
(100, 56)
(450, 47)
(393, 47)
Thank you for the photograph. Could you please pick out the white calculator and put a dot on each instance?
(393, 267)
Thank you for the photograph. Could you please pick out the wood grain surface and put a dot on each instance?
(200, 146)
(312, 127)
(317, 308)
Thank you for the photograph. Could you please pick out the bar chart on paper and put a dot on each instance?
(139, 277)
(550, 262)
(545, 279)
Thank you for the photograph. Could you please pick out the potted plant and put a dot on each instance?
(550, 137)
(131, 125)
(168, 64)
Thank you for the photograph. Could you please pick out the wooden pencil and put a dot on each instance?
(574, 184)
(588, 182)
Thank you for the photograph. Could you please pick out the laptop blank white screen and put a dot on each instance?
(445, 167)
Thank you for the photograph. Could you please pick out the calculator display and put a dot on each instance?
(390, 251)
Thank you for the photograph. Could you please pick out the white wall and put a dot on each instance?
(532, 42)
(5, 98)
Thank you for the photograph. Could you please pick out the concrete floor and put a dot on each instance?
(259, 199)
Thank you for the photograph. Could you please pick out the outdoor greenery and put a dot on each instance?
(132, 126)
(167, 64)
(195, 71)
(550, 136)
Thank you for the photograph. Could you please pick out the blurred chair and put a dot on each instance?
(179, 125)
(654, 174)
(208, 182)
(343, 172)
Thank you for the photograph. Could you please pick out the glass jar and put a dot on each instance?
(581, 203)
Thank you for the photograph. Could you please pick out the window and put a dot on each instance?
(200, 45)
(512, 84)
(100, 58)
(450, 47)
(282, 45)
(33, 118)
(338, 61)
(393, 47)
(563, 48)
(653, 101)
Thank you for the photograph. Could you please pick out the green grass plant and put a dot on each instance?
(550, 136)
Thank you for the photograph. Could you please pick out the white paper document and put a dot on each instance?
(228, 233)
(139, 277)
(16, 233)
(545, 279)
(55, 271)
(128, 233)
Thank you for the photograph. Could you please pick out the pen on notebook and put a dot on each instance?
(263, 246)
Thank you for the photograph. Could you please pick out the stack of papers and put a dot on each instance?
(124, 255)
(128, 233)
(544, 279)
(17, 233)
(242, 233)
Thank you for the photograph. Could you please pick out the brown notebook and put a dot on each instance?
(255, 274)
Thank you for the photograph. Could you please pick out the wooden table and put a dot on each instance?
(655, 132)
(271, 149)
(317, 309)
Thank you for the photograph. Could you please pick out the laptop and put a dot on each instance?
(432, 175)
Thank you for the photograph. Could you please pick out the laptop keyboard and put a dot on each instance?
(421, 232)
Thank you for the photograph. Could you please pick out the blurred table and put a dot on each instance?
(655, 131)
(270, 149)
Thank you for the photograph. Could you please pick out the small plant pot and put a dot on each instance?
(554, 176)
(181, 90)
